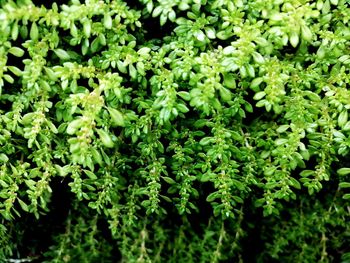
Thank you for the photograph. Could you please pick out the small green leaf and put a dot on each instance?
(295, 183)
(213, 196)
(132, 71)
(237, 199)
(34, 32)
(105, 138)
(95, 44)
(306, 33)
(228, 50)
(8, 78)
(117, 117)
(347, 126)
(343, 171)
(256, 83)
(149, 6)
(294, 39)
(312, 96)
(15, 70)
(62, 54)
(223, 35)
(282, 128)
(73, 126)
(185, 95)
(181, 107)
(52, 127)
(169, 180)
(183, 6)
(210, 32)
(87, 28)
(96, 156)
(3, 158)
(167, 199)
(199, 35)
(259, 95)
(16, 51)
(27, 118)
(14, 31)
(225, 94)
(258, 58)
(107, 21)
(23, 205)
(144, 51)
(281, 141)
(344, 185)
(343, 118)
(73, 30)
(23, 31)
(163, 19)
(156, 11)
(63, 171)
(172, 16)
(270, 170)
(346, 196)
(90, 174)
(51, 74)
(206, 141)
(229, 80)
(343, 58)
(85, 46)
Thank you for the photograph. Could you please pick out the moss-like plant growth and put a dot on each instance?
(175, 131)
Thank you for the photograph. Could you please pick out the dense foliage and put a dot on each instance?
(175, 131)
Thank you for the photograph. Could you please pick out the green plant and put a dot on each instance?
(175, 131)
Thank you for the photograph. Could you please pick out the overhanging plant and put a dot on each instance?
(175, 131)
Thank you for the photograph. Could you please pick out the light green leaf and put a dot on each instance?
(306, 33)
(237, 199)
(294, 39)
(343, 118)
(258, 58)
(73, 126)
(256, 82)
(181, 107)
(343, 171)
(107, 21)
(23, 205)
(185, 95)
(15, 70)
(90, 174)
(346, 196)
(62, 54)
(346, 126)
(206, 141)
(211, 197)
(168, 180)
(281, 141)
(105, 138)
(295, 183)
(34, 32)
(87, 28)
(259, 95)
(229, 80)
(225, 94)
(344, 185)
(282, 128)
(3, 158)
(156, 11)
(16, 51)
(117, 117)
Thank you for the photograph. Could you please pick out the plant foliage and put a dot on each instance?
(175, 130)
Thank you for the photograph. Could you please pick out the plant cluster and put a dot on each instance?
(175, 130)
